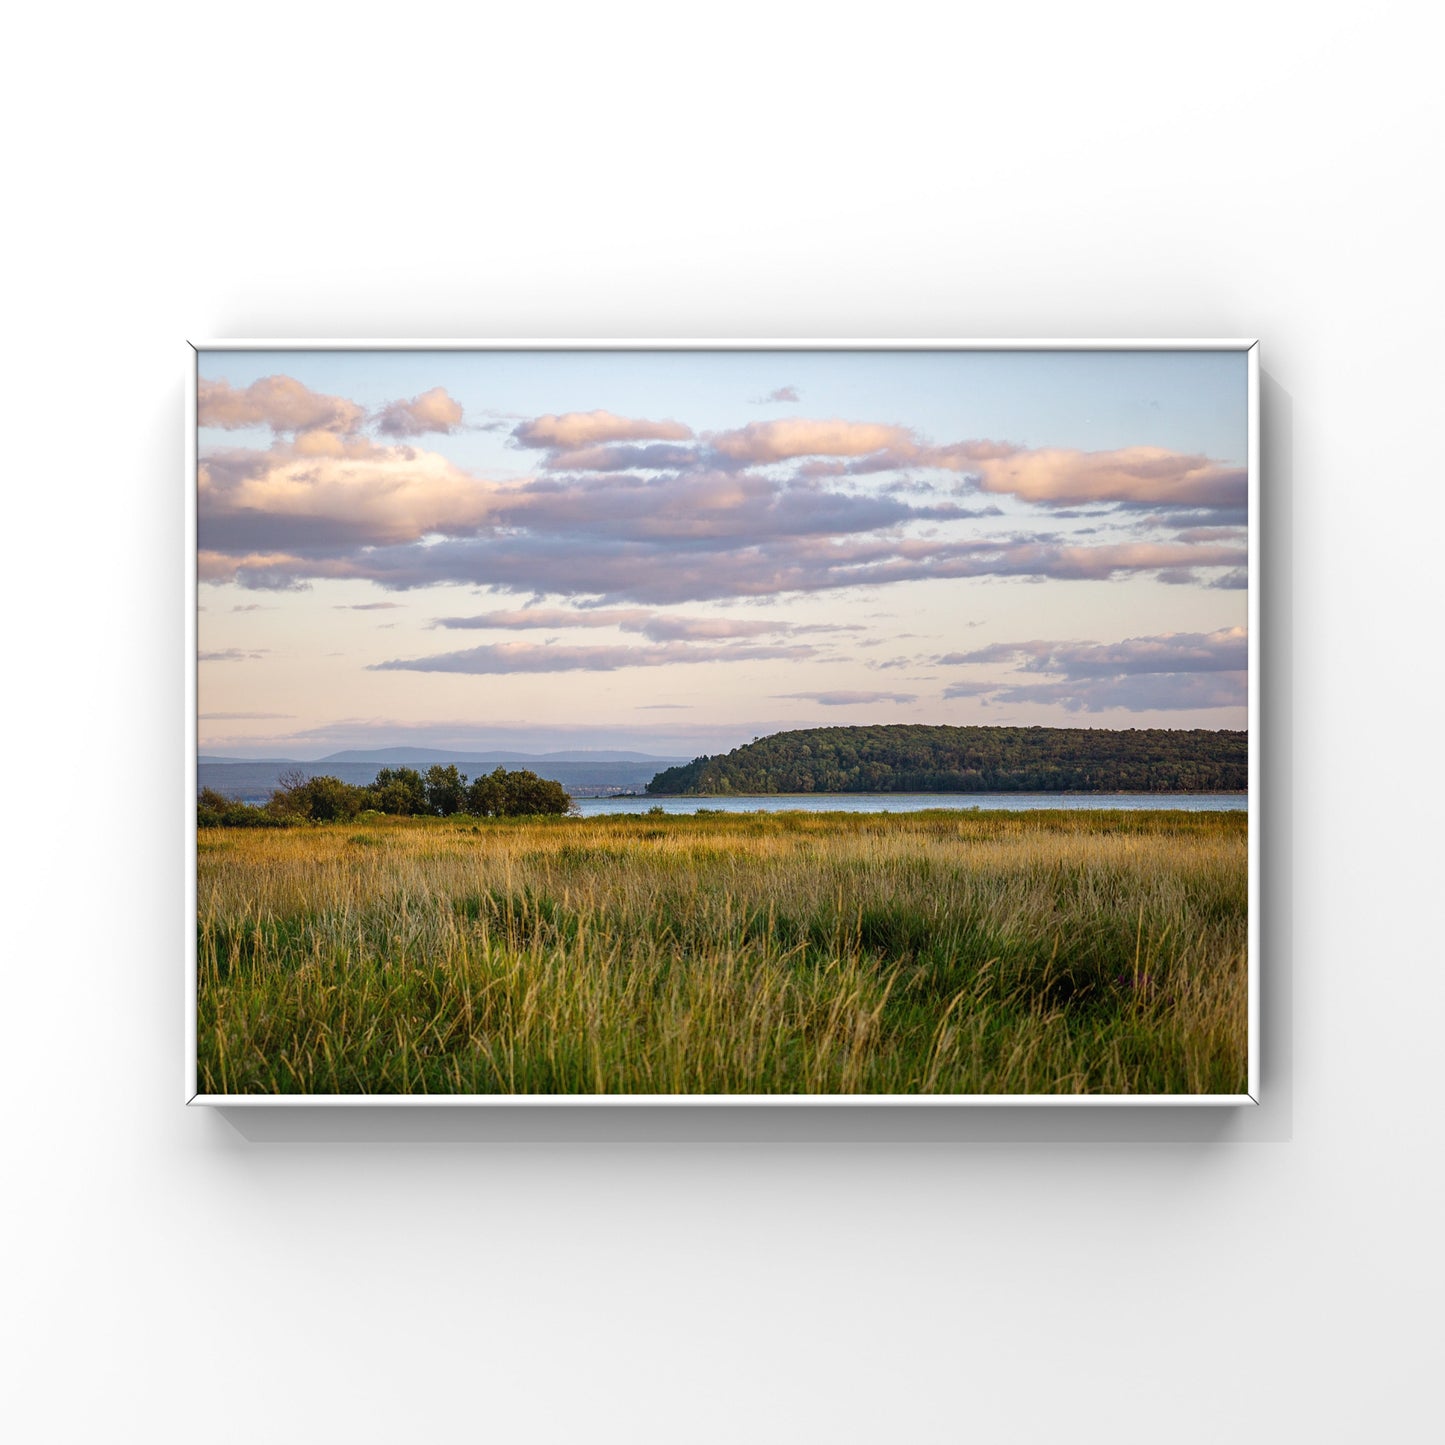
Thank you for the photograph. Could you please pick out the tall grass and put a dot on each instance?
(973, 952)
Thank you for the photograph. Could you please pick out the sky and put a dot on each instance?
(675, 552)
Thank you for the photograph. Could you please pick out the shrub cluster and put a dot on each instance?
(404, 792)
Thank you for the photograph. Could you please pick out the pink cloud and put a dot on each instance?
(279, 402)
(775, 441)
(955, 457)
(432, 411)
(585, 428)
(325, 487)
(1132, 474)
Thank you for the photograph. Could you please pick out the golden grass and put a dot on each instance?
(947, 952)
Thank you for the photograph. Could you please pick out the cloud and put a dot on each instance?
(746, 507)
(324, 491)
(775, 441)
(658, 627)
(849, 699)
(663, 569)
(1226, 650)
(660, 456)
(1212, 533)
(956, 457)
(778, 394)
(365, 606)
(1173, 671)
(240, 716)
(1149, 475)
(653, 523)
(270, 571)
(584, 428)
(432, 411)
(230, 654)
(526, 657)
(326, 495)
(549, 617)
(707, 629)
(1187, 522)
(1150, 692)
(279, 402)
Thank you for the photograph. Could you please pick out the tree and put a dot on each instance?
(921, 758)
(399, 791)
(527, 795)
(500, 794)
(446, 789)
(487, 796)
(322, 799)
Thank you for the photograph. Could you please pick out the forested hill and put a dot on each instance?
(905, 758)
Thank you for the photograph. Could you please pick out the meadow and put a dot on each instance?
(770, 953)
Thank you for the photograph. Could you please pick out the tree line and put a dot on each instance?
(399, 792)
(910, 758)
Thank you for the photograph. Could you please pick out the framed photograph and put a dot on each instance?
(719, 721)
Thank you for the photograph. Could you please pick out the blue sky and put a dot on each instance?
(676, 551)
(1190, 401)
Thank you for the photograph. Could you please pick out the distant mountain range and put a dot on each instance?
(582, 772)
(425, 757)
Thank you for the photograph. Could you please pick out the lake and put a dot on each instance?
(916, 802)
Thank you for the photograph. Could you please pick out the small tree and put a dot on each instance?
(487, 795)
(446, 789)
(289, 801)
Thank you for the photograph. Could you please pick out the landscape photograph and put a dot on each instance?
(678, 722)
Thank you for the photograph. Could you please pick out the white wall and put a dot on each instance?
(282, 169)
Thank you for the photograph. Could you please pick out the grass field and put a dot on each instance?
(944, 952)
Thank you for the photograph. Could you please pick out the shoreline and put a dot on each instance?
(980, 793)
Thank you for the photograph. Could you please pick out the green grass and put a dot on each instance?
(974, 952)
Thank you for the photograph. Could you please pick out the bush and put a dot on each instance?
(500, 794)
(527, 796)
(322, 799)
(216, 810)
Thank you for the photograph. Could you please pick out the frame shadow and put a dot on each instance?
(1270, 1121)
